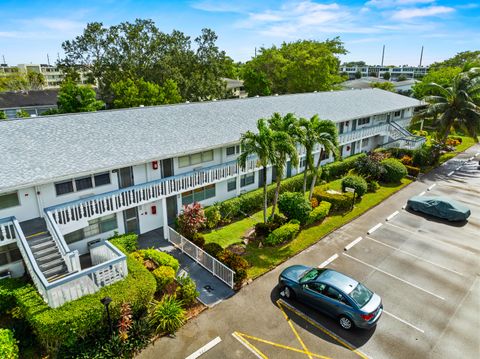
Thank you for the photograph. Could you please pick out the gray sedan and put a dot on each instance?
(333, 294)
(441, 207)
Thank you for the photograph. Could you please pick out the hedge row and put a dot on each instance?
(319, 212)
(339, 201)
(282, 234)
(335, 170)
(413, 171)
(8, 345)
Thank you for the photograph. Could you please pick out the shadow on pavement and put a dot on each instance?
(431, 218)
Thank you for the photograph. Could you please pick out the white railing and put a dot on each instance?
(119, 200)
(7, 231)
(75, 285)
(410, 144)
(217, 268)
(364, 132)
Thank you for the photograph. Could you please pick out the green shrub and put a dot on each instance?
(294, 205)
(214, 249)
(167, 315)
(129, 242)
(337, 169)
(65, 327)
(187, 292)
(285, 233)
(319, 212)
(394, 170)
(413, 171)
(236, 263)
(399, 152)
(164, 276)
(160, 258)
(356, 182)
(372, 186)
(264, 229)
(7, 293)
(213, 216)
(369, 167)
(8, 345)
(425, 156)
(339, 201)
(198, 239)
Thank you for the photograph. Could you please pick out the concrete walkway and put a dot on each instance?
(212, 290)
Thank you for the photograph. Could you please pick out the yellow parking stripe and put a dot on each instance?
(250, 345)
(295, 332)
(244, 336)
(324, 330)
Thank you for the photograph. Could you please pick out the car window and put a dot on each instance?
(316, 287)
(311, 275)
(361, 295)
(335, 294)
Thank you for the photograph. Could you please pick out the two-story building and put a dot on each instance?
(68, 180)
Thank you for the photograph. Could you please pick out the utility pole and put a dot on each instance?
(255, 51)
(383, 54)
(421, 57)
(3, 56)
(48, 60)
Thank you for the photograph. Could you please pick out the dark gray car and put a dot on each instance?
(442, 207)
(333, 294)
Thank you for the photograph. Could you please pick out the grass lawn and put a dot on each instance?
(467, 142)
(264, 259)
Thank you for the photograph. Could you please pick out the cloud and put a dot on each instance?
(220, 6)
(396, 3)
(410, 13)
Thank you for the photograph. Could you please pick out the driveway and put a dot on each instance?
(425, 270)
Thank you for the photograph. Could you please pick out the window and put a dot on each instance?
(64, 187)
(396, 114)
(363, 121)
(9, 253)
(365, 141)
(8, 200)
(232, 150)
(102, 179)
(303, 162)
(195, 159)
(232, 185)
(95, 226)
(316, 287)
(199, 194)
(247, 179)
(82, 183)
(334, 294)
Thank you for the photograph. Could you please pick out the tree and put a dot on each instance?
(354, 63)
(308, 139)
(19, 81)
(35, 80)
(258, 144)
(459, 60)
(386, 76)
(401, 78)
(22, 114)
(358, 75)
(456, 105)
(285, 134)
(327, 138)
(76, 98)
(387, 86)
(130, 93)
(301, 66)
(442, 76)
(191, 220)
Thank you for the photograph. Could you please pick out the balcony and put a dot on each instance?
(363, 132)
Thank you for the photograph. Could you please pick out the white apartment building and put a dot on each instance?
(410, 72)
(53, 75)
(67, 181)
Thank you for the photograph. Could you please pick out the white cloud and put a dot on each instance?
(406, 14)
(396, 3)
(220, 6)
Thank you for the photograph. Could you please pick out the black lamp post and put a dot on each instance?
(106, 301)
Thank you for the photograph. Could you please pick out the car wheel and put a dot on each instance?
(345, 322)
(289, 293)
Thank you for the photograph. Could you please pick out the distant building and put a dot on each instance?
(53, 75)
(33, 102)
(365, 82)
(409, 72)
(235, 88)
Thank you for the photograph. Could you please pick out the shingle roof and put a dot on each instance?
(41, 150)
(26, 99)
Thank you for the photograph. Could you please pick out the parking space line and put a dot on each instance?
(205, 348)
(415, 256)
(347, 247)
(374, 228)
(431, 187)
(450, 173)
(456, 169)
(317, 325)
(394, 276)
(476, 154)
(404, 321)
(295, 332)
(328, 261)
(249, 346)
(392, 215)
(421, 193)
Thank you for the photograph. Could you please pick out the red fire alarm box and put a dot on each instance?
(154, 209)
(155, 165)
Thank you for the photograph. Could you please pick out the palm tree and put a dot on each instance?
(455, 106)
(327, 137)
(308, 139)
(259, 144)
(285, 135)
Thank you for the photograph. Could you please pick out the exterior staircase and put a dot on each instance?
(402, 138)
(44, 249)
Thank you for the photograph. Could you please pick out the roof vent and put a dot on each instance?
(141, 106)
(276, 94)
(187, 101)
(257, 96)
(214, 99)
(315, 91)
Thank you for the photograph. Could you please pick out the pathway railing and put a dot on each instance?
(7, 231)
(217, 268)
(364, 132)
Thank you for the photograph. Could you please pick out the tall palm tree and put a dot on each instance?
(285, 134)
(455, 106)
(259, 144)
(308, 139)
(327, 137)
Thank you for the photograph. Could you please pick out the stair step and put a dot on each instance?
(55, 270)
(38, 240)
(45, 252)
(48, 258)
(51, 264)
(38, 236)
(43, 245)
(55, 277)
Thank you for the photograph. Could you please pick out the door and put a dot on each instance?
(289, 169)
(171, 209)
(353, 148)
(125, 177)
(312, 295)
(342, 124)
(130, 217)
(167, 168)
(354, 125)
(261, 176)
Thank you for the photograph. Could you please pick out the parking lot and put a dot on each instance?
(426, 271)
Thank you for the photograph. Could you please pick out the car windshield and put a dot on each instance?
(361, 295)
(310, 274)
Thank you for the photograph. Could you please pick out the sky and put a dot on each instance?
(30, 30)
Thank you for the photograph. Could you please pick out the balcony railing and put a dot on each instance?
(115, 201)
(7, 231)
(364, 132)
(109, 267)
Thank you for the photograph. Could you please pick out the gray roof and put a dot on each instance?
(28, 98)
(45, 149)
